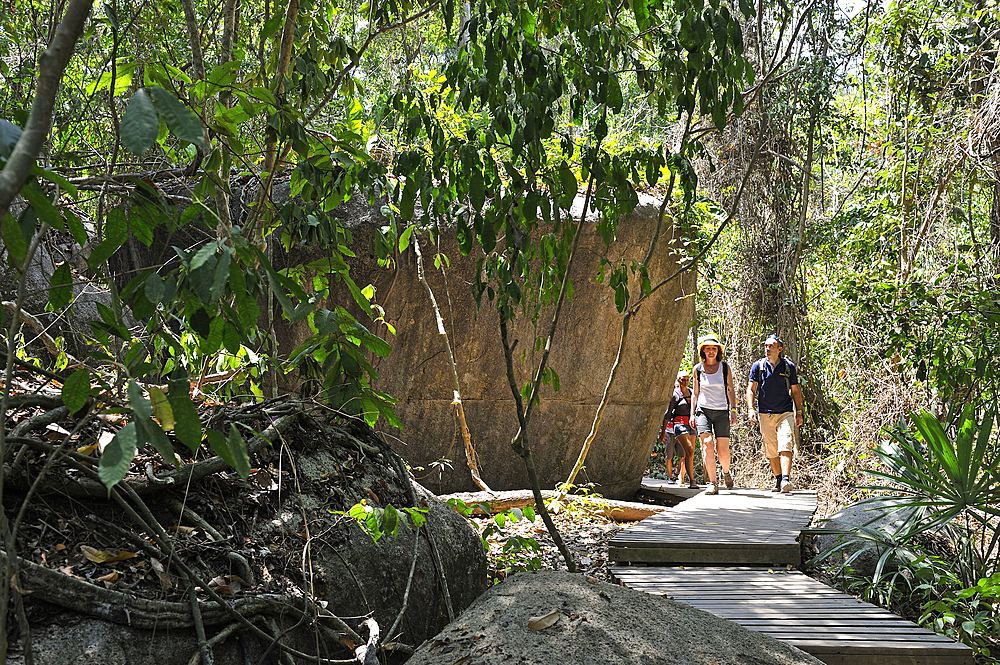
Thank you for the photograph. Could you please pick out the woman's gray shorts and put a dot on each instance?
(713, 421)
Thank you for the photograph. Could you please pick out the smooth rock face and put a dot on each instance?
(598, 624)
(583, 352)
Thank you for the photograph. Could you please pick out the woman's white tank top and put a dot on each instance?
(712, 390)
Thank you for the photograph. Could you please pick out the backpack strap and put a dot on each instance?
(725, 382)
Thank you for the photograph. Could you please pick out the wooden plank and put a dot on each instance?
(832, 626)
(747, 555)
(753, 527)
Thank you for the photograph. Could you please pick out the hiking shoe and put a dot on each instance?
(777, 484)
(728, 477)
(786, 485)
(711, 488)
(671, 481)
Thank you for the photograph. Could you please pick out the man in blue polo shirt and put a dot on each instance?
(775, 384)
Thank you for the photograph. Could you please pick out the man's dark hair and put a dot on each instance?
(776, 339)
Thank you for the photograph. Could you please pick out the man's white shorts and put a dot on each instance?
(778, 431)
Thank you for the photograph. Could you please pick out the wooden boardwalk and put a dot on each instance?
(738, 551)
(737, 527)
(794, 608)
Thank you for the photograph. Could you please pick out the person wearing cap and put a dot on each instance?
(712, 403)
(679, 413)
(774, 384)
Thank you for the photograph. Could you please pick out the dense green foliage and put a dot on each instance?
(868, 236)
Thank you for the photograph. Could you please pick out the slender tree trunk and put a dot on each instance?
(470, 453)
(995, 227)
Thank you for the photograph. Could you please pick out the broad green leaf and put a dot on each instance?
(238, 449)
(161, 408)
(44, 208)
(231, 338)
(140, 405)
(569, 185)
(213, 342)
(118, 455)
(76, 390)
(477, 189)
(140, 124)
(203, 255)
(641, 11)
(404, 239)
(115, 234)
(13, 237)
(179, 118)
(154, 290)
(217, 442)
(390, 521)
(187, 424)
(61, 287)
(614, 99)
(55, 179)
(155, 435)
(76, 228)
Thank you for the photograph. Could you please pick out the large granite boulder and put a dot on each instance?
(586, 343)
(595, 624)
(874, 525)
(265, 545)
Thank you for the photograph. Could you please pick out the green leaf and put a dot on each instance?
(477, 189)
(43, 207)
(155, 435)
(203, 255)
(179, 118)
(140, 124)
(614, 99)
(641, 11)
(404, 239)
(154, 290)
(231, 338)
(76, 228)
(76, 390)
(61, 287)
(161, 408)
(13, 237)
(187, 424)
(118, 455)
(569, 185)
(115, 234)
(238, 450)
(220, 446)
(390, 521)
(213, 342)
(140, 405)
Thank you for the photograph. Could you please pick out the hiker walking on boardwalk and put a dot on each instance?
(679, 413)
(713, 399)
(775, 384)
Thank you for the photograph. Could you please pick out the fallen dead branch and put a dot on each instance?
(498, 502)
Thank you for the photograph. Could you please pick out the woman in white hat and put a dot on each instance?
(713, 398)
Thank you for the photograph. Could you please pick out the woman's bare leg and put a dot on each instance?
(724, 457)
(708, 456)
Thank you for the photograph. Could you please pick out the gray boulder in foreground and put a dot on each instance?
(598, 624)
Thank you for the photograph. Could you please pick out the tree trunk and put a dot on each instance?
(995, 227)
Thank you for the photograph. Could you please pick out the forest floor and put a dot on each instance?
(585, 533)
